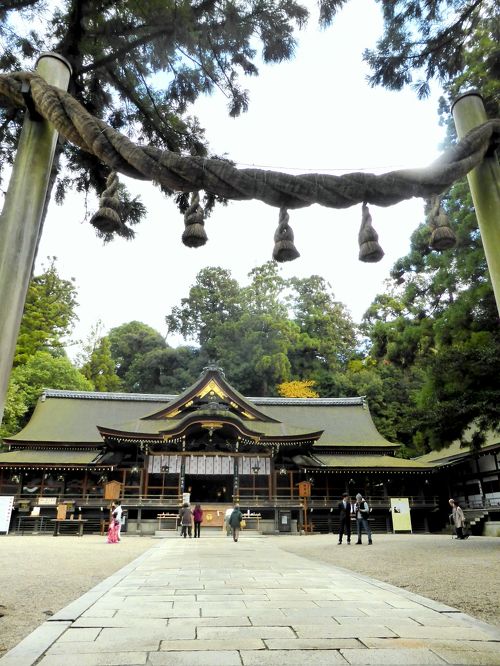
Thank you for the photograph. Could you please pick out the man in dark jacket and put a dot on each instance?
(235, 521)
(344, 508)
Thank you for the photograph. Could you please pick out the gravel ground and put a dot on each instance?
(40, 575)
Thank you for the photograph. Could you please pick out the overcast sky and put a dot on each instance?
(315, 113)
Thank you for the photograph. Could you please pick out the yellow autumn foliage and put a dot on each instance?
(298, 389)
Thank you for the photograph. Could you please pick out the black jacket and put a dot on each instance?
(344, 513)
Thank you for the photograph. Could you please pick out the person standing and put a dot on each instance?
(227, 516)
(235, 521)
(344, 508)
(186, 516)
(119, 513)
(458, 518)
(198, 519)
(112, 536)
(362, 512)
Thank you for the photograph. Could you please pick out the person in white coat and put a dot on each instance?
(458, 518)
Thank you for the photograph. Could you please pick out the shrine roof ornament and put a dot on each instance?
(211, 392)
(189, 174)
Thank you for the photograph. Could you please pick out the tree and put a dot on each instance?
(437, 327)
(140, 65)
(327, 337)
(27, 381)
(297, 389)
(49, 314)
(15, 408)
(424, 39)
(268, 332)
(164, 370)
(100, 368)
(129, 341)
(213, 300)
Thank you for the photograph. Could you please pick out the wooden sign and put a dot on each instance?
(112, 490)
(61, 511)
(304, 489)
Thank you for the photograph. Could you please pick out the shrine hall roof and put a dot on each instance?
(72, 417)
(367, 462)
(65, 458)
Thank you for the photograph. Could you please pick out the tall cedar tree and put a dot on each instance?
(437, 325)
(140, 65)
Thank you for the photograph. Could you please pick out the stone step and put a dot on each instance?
(207, 533)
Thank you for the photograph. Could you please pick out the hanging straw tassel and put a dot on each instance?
(369, 248)
(284, 248)
(194, 234)
(107, 219)
(442, 237)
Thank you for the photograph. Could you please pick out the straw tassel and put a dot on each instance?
(369, 248)
(194, 234)
(284, 248)
(442, 237)
(107, 219)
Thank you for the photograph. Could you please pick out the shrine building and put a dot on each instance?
(286, 461)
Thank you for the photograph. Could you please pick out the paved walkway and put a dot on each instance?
(215, 602)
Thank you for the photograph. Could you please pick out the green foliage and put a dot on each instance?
(100, 368)
(426, 39)
(141, 65)
(214, 300)
(27, 382)
(49, 314)
(269, 332)
(15, 408)
(437, 329)
(129, 341)
(164, 370)
(327, 335)
(437, 325)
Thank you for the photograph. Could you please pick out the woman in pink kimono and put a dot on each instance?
(113, 526)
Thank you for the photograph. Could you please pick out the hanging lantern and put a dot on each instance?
(284, 247)
(369, 248)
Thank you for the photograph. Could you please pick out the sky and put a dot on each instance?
(315, 113)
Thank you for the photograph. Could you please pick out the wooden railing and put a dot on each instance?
(281, 500)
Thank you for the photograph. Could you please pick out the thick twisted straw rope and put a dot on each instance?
(188, 174)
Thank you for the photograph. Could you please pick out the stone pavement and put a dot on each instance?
(211, 601)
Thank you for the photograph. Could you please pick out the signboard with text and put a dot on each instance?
(6, 506)
(400, 510)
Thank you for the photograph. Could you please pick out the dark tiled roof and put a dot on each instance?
(73, 416)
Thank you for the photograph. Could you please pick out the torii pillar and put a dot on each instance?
(484, 182)
(22, 216)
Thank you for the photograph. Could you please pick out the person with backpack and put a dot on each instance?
(362, 512)
(235, 521)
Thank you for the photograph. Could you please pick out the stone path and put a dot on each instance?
(216, 602)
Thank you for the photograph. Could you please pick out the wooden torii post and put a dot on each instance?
(22, 215)
(484, 182)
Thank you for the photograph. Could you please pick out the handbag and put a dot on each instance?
(243, 524)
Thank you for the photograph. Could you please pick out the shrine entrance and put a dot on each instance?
(209, 488)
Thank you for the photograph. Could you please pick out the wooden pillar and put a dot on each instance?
(22, 216)
(236, 480)
(484, 182)
(182, 476)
